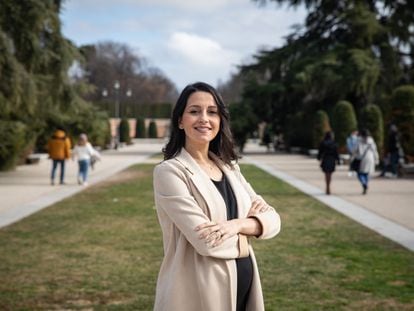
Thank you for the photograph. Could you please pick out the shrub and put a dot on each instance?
(321, 126)
(402, 111)
(243, 122)
(152, 129)
(13, 142)
(343, 123)
(371, 119)
(124, 131)
(140, 131)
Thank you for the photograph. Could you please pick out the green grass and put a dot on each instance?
(101, 250)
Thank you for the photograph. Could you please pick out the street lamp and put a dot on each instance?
(116, 86)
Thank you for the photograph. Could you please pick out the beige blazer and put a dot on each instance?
(194, 276)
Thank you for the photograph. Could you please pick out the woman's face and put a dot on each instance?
(201, 119)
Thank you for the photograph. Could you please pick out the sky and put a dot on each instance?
(188, 40)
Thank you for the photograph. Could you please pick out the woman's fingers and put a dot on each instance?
(208, 231)
(205, 225)
(258, 206)
(214, 233)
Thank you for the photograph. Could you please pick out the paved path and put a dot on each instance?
(27, 189)
(388, 208)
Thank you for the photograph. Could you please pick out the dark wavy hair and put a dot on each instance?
(222, 145)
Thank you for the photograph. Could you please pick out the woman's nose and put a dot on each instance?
(204, 116)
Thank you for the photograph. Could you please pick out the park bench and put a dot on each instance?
(313, 153)
(406, 169)
(35, 158)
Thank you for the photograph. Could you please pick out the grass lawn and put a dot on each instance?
(101, 250)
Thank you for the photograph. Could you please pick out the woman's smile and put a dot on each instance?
(201, 119)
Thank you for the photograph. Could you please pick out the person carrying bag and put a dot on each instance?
(356, 162)
(366, 157)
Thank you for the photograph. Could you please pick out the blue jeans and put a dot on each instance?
(83, 169)
(62, 170)
(363, 178)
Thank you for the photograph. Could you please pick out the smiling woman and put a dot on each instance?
(200, 120)
(207, 212)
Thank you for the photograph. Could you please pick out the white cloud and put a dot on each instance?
(199, 50)
(195, 58)
(188, 40)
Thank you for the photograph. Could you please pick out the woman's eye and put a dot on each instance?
(213, 112)
(193, 111)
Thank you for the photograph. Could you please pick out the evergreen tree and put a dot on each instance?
(124, 131)
(320, 127)
(152, 129)
(35, 89)
(402, 103)
(351, 50)
(140, 131)
(343, 123)
(371, 119)
(243, 123)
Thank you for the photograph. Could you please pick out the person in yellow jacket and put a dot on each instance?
(58, 148)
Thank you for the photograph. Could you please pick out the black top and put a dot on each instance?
(244, 265)
(328, 154)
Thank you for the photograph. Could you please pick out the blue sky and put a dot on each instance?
(189, 40)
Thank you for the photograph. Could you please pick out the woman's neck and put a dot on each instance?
(200, 154)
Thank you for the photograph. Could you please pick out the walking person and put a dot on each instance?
(393, 153)
(58, 148)
(366, 152)
(84, 151)
(351, 143)
(207, 212)
(328, 156)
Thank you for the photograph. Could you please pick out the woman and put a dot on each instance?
(328, 155)
(207, 212)
(83, 151)
(366, 151)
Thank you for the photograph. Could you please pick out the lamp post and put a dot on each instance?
(116, 87)
(117, 116)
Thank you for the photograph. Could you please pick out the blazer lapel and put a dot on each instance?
(214, 200)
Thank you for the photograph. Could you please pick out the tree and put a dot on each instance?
(371, 119)
(140, 131)
(124, 131)
(343, 122)
(321, 126)
(243, 123)
(152, 129)
(351, 50)
(12, 136)
(107, 62)
(36, 90)
(402, 103)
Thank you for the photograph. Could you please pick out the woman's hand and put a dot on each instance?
(215, 234)
(258, 206)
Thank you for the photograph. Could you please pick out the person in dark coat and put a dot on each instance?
(328, 156)
(393, 155)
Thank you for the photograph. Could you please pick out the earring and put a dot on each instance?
(180, 127)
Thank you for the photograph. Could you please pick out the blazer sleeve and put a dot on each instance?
(172, 196)
(269, 220)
